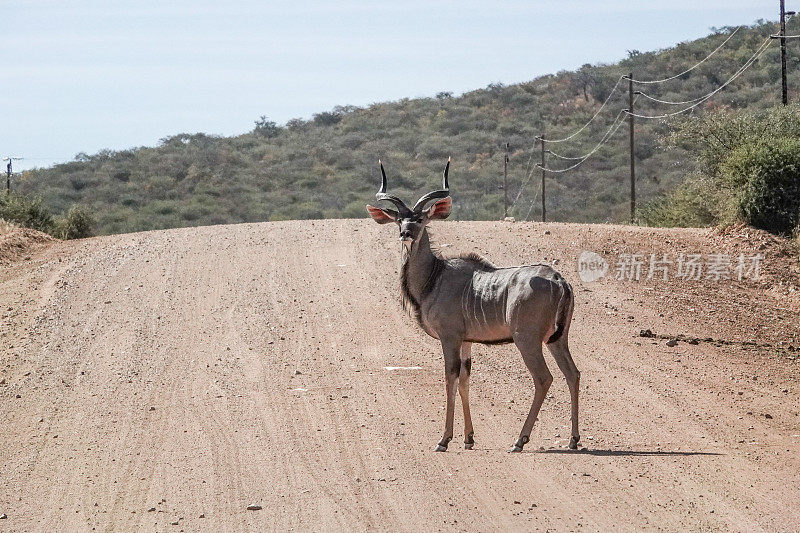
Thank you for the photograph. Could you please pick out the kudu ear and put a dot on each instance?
(440, 210)
(381, 216)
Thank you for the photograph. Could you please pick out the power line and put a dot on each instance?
(526, 181)
(591, 119)
(557, 156)
(538, 190)
(668, 102)
(529, 171)
(602, 140)
(615, 125)
(646, 82)
(631, 114)
(761, 49)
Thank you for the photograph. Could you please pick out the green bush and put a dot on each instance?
(266, 127)
(327, 118)
(25, 211)
(716, 136)
(78, 223)
(695, 203)
(748, 170)
(767, 180)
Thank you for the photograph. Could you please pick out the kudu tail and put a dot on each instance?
(563, 312)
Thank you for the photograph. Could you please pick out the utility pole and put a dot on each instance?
(544, 208)
(9, 171)
(782, 36)
(505, 183)
(633, 158)
(784, 89)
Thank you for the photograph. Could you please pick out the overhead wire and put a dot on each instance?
(615, 125)
(668, 102)
(717, 49)
(529, 171)
(617, 122)
(610, 94)
(561, 156)
(761, 49)
(535, 195)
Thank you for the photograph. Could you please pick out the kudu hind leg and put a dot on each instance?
(463, 391)
(531, 350)
(452, 369)
(563, 357)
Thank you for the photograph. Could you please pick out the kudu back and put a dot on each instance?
(466, 299)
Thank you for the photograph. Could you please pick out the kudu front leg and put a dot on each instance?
(531, 350)
(452, 369)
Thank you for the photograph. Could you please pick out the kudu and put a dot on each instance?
(466, 299)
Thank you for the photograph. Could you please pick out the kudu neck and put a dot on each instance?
(419, 267)
(421, 249)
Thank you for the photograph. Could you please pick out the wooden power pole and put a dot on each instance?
(505, 183)
(633, 157)
(783, 37)
(784, 88)
(544, 208)
(9, 171)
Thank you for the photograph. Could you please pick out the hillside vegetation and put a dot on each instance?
(326, 166)
(748, 170)
(31, 212)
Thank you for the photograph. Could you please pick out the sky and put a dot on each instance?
(84, 75)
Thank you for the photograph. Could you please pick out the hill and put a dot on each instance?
(326, 167)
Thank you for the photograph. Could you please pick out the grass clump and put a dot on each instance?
(77, 223)
(31, 212)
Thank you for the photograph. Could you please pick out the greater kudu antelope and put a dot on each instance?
(466, 299)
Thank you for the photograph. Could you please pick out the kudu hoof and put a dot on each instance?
(573, 443)
(519, 445)
(469, 442)
(442, 446)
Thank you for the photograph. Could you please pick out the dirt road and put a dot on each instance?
(167, 380)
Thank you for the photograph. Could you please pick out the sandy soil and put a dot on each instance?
(19, 243)
(167, 380)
